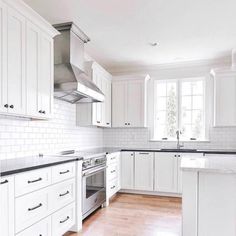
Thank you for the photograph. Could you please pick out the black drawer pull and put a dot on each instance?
(108, 123)
(64, 172)
(63, 221)
(34, 181)
(11, 106)
(6, 105)
(40, 111)
(98, 122)
(113, 187)
(113, 171)
(36, 207)
(64, 194)
(144, 153)
(44, 112)
(4, 182)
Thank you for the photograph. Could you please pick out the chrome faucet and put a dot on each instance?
(178, 132)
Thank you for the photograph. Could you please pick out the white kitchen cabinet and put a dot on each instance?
(26, 50)
(166, 172)
(3, 53)
(144, 166)
(127, 170)
(7, 206)
(224, 98)
(129, 101)
(96, 114)
(16, 83)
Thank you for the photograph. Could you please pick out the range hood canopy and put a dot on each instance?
(71, 83)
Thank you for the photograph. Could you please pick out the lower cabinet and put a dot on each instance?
(143, 171)
(7, 206)
(166, 172)
(113, 175)
(127, 170)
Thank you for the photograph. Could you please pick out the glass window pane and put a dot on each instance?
(186, 88)
(161, 89)
(171, 89)
(186, 102)
(197, 102)
(161, 117)
(186, 117)
(186, 131)
(161, 103)
(197, 87)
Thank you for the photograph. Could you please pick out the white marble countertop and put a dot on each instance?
(214, 163)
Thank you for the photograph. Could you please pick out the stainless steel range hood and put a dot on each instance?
(71, 84)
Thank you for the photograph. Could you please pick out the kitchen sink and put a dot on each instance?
(178, 150)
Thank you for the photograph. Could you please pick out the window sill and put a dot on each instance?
(181, 141)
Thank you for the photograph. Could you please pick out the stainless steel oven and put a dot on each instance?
(93, 184)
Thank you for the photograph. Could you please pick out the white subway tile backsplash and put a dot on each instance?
(21, 137)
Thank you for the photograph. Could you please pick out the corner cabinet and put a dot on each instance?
(224, 97)
(96, 114)
(129, 101)
(26, 51)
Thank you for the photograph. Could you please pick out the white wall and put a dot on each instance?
(21, 137)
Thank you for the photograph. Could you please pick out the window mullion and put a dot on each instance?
(179, 100)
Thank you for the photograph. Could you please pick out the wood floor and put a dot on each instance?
(135, 215)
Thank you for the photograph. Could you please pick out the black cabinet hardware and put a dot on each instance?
(108, 123)
(128, 123)
(63, 221)
(64, 172)
(34, 181)
(98, 122)
(64, 194)
(40, 111)
(144, 153)
(44, 112)
(6, 105)
(113, 171)
(113, 187)
(4, 182)
(11, 106)
(125, 123)
(36, 207)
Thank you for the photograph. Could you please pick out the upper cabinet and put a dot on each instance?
(96, 114)
(26, 51)
(224, 97)
(129, 101)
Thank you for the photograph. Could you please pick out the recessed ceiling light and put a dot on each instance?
(153, 44)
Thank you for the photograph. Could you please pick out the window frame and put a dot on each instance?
(206, 115)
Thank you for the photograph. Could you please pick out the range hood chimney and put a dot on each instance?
(71, 84)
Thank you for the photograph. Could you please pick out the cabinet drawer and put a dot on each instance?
(42, 228)
(62, 194)
(63, 172)
(31, 208)
(112, 187)
(112, 172)
(63, 220)
(32, 180)
(113, 158)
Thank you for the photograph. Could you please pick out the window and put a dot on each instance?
(179, 105)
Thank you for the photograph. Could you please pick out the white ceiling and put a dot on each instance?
(121, 30)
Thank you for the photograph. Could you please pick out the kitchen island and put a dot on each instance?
(209, 195)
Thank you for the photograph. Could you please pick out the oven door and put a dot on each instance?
(94, 189)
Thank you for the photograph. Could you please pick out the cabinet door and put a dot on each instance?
(16, 62)
(166, 172)
(119, 94)
(225, 101)
(135, 103)
(107, 103)
(46, 76)
(127, 170)
(97, 107)
(144, 166)
(7, 206)
(33, 69)
(3, 57)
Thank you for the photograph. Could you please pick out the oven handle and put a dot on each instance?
(88, 173)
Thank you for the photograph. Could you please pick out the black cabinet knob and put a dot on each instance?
(44, 112)
(40, 111)
(128, 123)
(6, 105)
(125, 123)
(11, 106)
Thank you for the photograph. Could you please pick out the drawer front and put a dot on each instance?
(112, 187)
(42, 228)
(31, 208)
(62, 194)
(63, 220)
(63, 172)
(113, 158)
(112, 172)
(32, 180)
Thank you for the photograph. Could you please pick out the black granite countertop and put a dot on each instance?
(18, 165)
